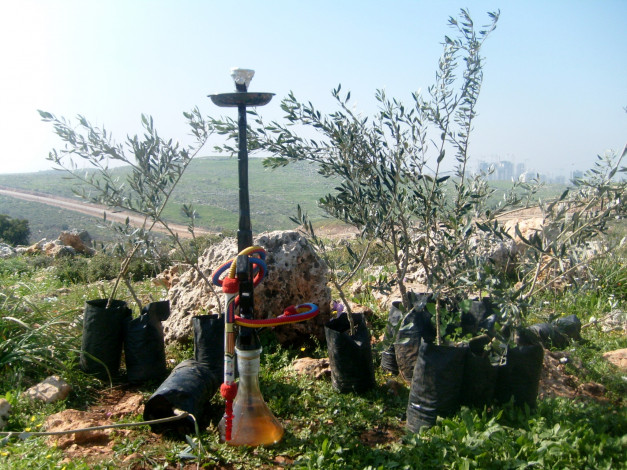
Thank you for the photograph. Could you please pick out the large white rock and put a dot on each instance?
(295, 275)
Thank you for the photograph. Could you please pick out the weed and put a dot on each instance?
(71, 270)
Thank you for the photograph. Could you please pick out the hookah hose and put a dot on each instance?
(230, 287)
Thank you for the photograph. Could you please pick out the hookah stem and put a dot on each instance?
(247, 338)
(244, 233)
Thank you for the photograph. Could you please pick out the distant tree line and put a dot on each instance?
(14, 231)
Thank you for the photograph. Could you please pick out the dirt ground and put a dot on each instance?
(555, 381)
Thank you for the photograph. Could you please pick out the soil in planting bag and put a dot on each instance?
(103, 336)
(189, 387)
(436, 384)
(548, 335)
(144, 349)
(209, 341)
(479, 376)
(520, 376)
(350, 357)
(415, 328)
(569, 326)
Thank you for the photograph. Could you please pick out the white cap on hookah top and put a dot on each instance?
(242, 76)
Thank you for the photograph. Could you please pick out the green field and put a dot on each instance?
(210, 184)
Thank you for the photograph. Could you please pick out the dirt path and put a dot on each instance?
(94, 210)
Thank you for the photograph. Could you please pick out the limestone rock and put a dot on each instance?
(35, 248)
(315, 368)
(80, 241)
(5, 409)
(167, 278)
(6, 251)
(616, 320)
(618, 358)
(527, 226)
(295, 275)
(57, 250)
(54, 388)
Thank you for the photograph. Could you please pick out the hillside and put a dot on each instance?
(210, 184)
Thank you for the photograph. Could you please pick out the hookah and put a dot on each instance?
(247, 419)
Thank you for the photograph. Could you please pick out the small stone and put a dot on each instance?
(316, 368)
(133, 456)
(54, 388)
(5, 408)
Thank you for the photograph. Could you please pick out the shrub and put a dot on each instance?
(16, 265)
(103, 267)
(71, 270)
(39, 261)
(140, 269)
(14, 231)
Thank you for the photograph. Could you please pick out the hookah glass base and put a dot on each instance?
(253, 423)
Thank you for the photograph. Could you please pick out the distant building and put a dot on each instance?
(484, 166)
(504, 170)
(520, 169)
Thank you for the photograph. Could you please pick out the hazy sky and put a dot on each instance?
(553, 97)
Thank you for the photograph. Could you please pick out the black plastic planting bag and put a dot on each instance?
(350, 357)
(209, 341)
(436, 384)
(388, 356)
(520, 376)
(189, 387)
(405, 332)
(144, 349)
(103, 335)
(415, 328)
(548, 335)
(569, 326)
(479, 376)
